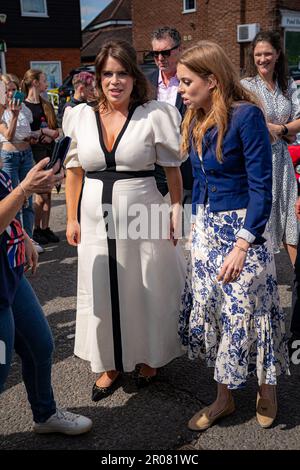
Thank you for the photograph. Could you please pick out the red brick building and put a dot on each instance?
(218, 20)
(42, 34)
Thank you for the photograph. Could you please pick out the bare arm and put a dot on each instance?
(10, 130)
(297, 208)
(31, 254)
(174, 180)
(73, 190)
(10, 206)
(293, 128)
(52, 133)
(37, 180)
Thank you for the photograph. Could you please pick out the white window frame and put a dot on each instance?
(191, 10)
(39, 15)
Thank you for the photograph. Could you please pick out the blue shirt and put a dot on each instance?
(244, 178)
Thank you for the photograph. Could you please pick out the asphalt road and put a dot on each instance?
(153, 418)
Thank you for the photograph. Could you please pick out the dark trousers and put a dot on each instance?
(295, 324)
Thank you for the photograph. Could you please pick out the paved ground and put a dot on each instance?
(154, 418)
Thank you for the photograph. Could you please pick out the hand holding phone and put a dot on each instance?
(18, 97)
(60, 151)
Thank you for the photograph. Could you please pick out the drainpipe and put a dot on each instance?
(3, 63)
(242, 45)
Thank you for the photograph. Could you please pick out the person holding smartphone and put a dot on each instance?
(44, 126)
(23, 325)
(15, 133)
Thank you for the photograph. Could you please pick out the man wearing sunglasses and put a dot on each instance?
(166, 50)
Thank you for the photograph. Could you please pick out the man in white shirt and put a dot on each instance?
(166, 43)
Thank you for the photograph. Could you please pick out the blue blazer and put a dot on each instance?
(244, 179)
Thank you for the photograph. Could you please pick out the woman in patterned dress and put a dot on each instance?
(230, 307)
(267, 77)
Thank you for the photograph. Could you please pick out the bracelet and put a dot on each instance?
(242, 249)
(285, 130)
(26, 201)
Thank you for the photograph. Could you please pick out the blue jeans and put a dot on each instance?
(24, 327)
(17, 165)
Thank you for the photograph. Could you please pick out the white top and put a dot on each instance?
(167, 93)
(152, 136)
(23, 129)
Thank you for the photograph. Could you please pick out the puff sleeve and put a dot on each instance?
(69, 125)
(166, 122)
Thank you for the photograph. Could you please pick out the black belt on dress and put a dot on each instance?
(111, 175)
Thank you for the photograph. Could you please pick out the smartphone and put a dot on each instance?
(2, 93)
(18, 96)
(60, 151)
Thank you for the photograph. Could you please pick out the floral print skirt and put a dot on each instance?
(238, 328)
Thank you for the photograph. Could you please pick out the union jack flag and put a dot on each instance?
(14, 235)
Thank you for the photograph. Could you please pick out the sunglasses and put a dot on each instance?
(165, 53)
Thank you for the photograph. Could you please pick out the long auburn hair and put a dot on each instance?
(281, 69)
(27, 83)
(124, 53)
(204, 59)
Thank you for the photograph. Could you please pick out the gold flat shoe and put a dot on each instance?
(266, 411)
(201, 420)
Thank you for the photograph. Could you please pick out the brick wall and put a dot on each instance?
(18, 59)
(289, 4)
(216, 20)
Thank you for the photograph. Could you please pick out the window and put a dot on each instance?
(189, 6)
(34, 8)
(292, 48)
(52, 70)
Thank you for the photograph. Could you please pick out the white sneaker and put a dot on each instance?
(64, 422)
(38, 247)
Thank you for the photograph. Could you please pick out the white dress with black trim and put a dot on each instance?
(129, 289)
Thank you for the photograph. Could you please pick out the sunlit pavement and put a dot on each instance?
(153, 418)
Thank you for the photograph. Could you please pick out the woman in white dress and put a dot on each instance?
(129, 278)
(267, 77)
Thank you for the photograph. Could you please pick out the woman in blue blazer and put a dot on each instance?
(230, 314)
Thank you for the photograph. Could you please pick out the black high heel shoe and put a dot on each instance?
(102, 392)
(141, 380)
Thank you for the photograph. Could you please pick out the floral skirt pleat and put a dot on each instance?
(238, 328)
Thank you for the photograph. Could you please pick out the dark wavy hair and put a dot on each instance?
(281, 69)
(166, 31)
(124, 53)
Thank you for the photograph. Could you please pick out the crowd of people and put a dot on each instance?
(192, 134)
